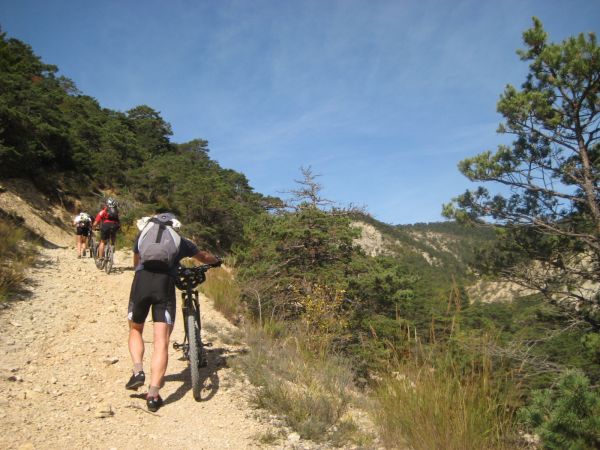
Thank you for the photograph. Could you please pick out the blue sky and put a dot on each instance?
(381, 98)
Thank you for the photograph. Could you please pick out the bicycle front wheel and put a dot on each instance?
(194, 354)
(108, 260)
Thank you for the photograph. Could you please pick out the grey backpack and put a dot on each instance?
(158, 244)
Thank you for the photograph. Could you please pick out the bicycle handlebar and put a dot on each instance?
(192, 276)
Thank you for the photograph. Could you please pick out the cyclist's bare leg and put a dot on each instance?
(84, 240)
(78, 244)
(136, 343)
(160, 355)
(101, 249)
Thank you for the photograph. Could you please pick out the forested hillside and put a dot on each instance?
(72, 147)
(323, 314)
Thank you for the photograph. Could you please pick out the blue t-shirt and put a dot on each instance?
(187, 249)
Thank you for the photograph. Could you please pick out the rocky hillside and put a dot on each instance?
(441, 245)
(440, 249)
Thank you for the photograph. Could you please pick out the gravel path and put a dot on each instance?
(64, 362)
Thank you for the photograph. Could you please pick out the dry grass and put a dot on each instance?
(434, 404)
(222, 288)
(17, 255)
(310, 392)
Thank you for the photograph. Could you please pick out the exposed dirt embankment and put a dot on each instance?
(46, 220)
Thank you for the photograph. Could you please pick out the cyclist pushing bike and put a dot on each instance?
(157, 251)
(108, 221)
(83, 225)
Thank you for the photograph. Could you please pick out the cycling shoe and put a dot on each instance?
(136, 380)
(154, 403)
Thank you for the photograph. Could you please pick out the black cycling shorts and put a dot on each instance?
(108, 230)
(82, 231)
(152, 289)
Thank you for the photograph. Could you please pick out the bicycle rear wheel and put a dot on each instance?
(195, 354)
(108, 259)
(99, 259)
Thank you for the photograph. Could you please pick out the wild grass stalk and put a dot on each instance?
(437, 403)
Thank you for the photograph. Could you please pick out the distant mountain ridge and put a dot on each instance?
(441, 246)
(442, 252)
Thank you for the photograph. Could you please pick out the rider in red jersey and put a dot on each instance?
(108, 220)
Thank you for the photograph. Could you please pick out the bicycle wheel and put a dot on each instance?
(100, 261)
(108, 259)
(92, 248)
(194, 354)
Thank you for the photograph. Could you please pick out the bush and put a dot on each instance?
(310, 392)
(566, 416)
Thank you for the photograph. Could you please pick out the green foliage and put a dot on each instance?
(566, 416)
(285, 254)
(452, 248)
(151, 130)
(33, 132)
(534, 332)
(552, 168)
(213, 203)
(49, 126)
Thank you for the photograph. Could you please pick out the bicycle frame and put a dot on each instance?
(189, 305)
(187, 281)
(108, 244)
(109, 254)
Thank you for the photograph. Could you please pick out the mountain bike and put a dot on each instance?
(109, 254)
(193, 348)
(107, 260)
(92, 245)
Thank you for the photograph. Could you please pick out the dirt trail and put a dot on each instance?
(64, 362)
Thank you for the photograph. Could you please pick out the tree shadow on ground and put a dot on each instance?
(26, 290)
(49, 244)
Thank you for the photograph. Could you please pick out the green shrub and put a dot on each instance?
(566, 416)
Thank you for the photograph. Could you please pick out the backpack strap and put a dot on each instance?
(155, 220)
(161, 230)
